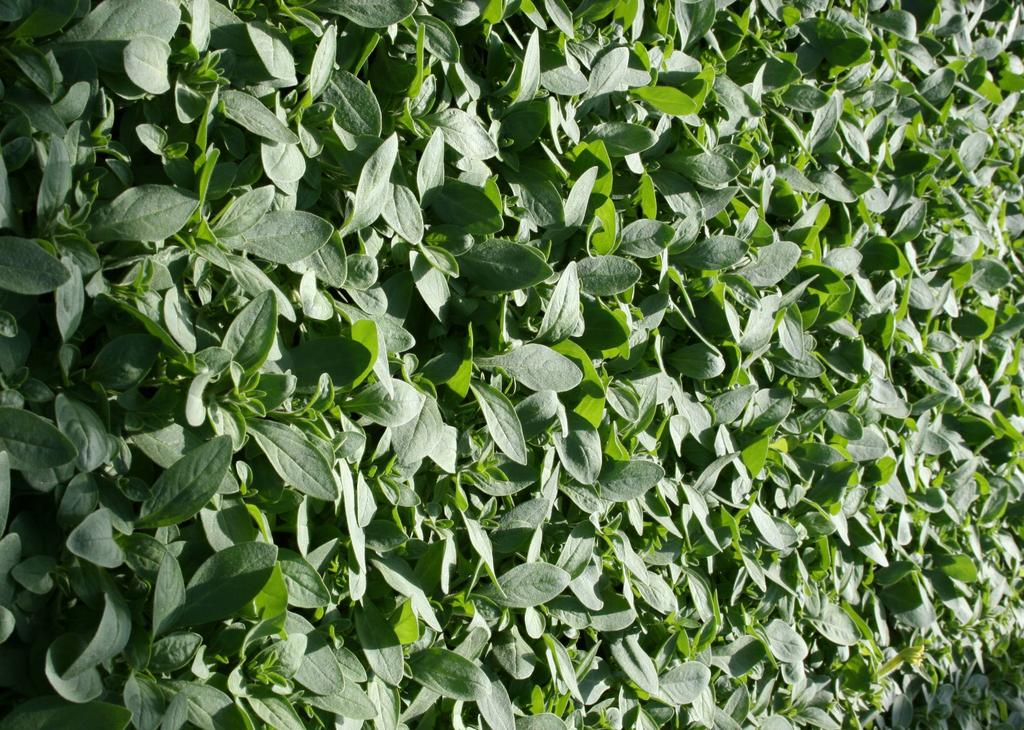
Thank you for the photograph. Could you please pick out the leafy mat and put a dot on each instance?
(505, 364)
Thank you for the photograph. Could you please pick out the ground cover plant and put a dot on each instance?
(511, 364)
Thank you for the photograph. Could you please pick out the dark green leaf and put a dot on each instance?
(449, 674)
(226, 582)
(183, 489)
(498, 265)
(25, 268)
(32, 442)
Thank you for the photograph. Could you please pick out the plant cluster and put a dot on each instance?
(509, 365)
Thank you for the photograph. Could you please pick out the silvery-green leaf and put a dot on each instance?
(372, 13)
(502, 422)
(464, 134)
(372, 191)
(531, 584)
(144, 213)
(537, 367)
(252, 115)
(145, 62)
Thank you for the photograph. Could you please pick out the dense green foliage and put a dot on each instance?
(511, 364)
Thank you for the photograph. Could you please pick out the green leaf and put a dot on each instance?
(226, 582)
(283, 236)
(531, 584)
(464, 134)
(168, 594)
(529, 74)
(56, 182)
(5, 489)
(563, 316)
(683, 684)
(250, 114)
(245, 212)
(785, 643)
(184, 488)
(502, 422)
(346, 360)
(605, 276)
(430, 171)
(496, 706)
(621, 481)
(973, 150)
(707, 168)
(320, 672)
(145, 62)
(771, 264)
(537, 367)
(380, 645)
(608, 72)
(402, 213)
(356, 109)
(125, 360)
(499, 265)
(371, 13)
(775, 532)
(621, 138)
(144, 213)
(372, 191)
(633, 660)
(93, 540)
(467, 206)
(900, 22)
(251, 335)
(698, 361)
(395, 408)
(123, 20)
(283, 164)
(273, 49)
(85, 430)
(832, 186)
(26, 268)
(960, 567)
(322, 68)
(667, 99)
(836, 626)
(277, 712)
(110, 638)
(306, 589)
(295, 459)
(579, 450)
(826, 118)
(449, 674)
(70, 300)
(560, 16)
(51, 713)
(415, 439)
(646, 238)
(717, 252)
(32, 442)
(79, 688)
